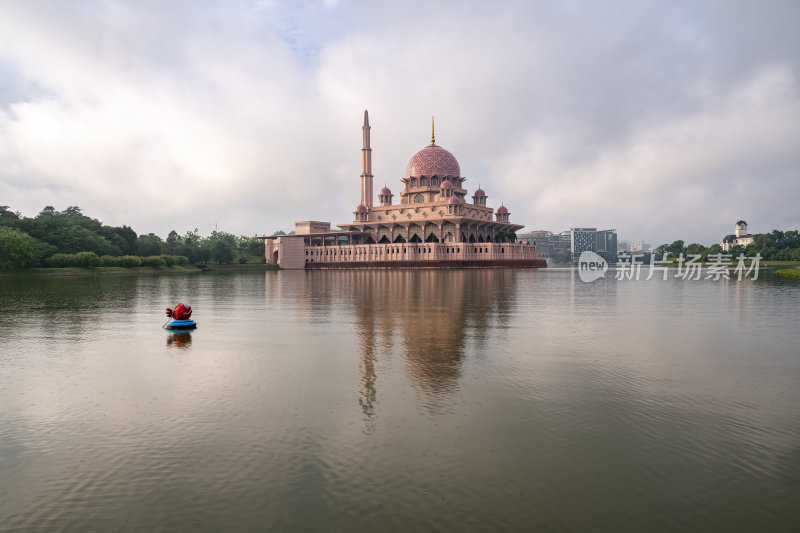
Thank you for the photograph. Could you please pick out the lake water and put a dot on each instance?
(438, 400)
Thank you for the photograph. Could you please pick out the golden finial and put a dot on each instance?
(433, 137)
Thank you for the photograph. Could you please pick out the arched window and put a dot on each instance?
(434, 181)
(413, 182)
(418, 199)
(423, 181)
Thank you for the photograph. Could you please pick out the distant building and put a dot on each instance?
(739, 238)
(603, 242)
(542, 240)
(561, 243)
(607, 245)
(548, 244)
(582, 240)
(640, 246)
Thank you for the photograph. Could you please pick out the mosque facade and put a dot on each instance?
(434, 224)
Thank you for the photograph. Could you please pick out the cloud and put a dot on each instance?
(701, 167)
(664, 121)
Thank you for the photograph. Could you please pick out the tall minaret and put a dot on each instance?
(366, 166)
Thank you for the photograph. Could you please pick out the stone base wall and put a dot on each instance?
(511, 263)
(411, 253)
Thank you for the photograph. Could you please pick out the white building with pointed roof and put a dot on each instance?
(740, 237)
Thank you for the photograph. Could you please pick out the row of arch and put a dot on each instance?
(430, 238)
(432, 233)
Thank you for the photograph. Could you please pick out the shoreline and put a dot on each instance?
(136, 271)
(789, 272)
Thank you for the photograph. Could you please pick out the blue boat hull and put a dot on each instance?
(181, 324)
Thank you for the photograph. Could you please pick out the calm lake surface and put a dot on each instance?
(439, 400)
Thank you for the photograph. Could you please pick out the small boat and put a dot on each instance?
(179, 318)
(181, 324)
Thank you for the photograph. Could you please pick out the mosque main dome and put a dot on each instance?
(433, 160)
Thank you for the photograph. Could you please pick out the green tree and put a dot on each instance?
(87, 259)
(69, 231)
(173, 242)
(8, 218)
(128, 236)
(149, 245)
(221, 251)
(249, 246)
(676, 248)
(20, 250)
(695, 248)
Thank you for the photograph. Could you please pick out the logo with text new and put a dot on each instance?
(591, 266)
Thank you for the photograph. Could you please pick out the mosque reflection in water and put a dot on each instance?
(431, 320)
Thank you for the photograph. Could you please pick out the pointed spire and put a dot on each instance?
(433, 136)
(366, 165)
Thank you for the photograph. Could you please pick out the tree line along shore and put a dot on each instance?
(69, 239)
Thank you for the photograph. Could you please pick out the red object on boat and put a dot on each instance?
(182, 312)
(169, 312)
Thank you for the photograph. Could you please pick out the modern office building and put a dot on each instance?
(607, 245)
(582, 240)
(602, 242)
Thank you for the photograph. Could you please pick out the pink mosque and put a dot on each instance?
(433, 225)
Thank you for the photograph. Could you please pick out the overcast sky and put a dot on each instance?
(665, 120)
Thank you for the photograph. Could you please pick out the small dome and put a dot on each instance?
(741, 223)
(361, 208)
(454, 200)
(502, 210)
(386, 190)
(480, 193)
(433, 161)
(447, 184)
